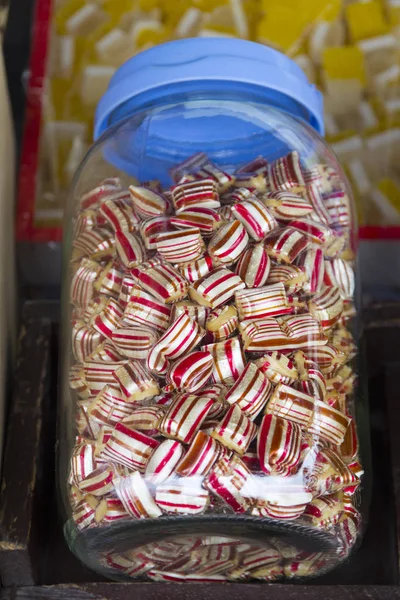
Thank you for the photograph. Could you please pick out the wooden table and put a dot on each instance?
(34, 560)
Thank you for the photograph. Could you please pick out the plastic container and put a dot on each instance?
(209, 428)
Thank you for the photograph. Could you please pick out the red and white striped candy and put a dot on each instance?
(108, 319)
(286, 173)
(292, 405)
(136, 498)
(315, 195)
(317, 233)
(97, 374)
(279, 446)
(259, 558)
(134, 342)
(286, 206)
(277, 367)
(182, 497)
(201, 193)
(312, 260)
(324, 512)
(99, 482)
(303, 331)
(105, 352)
(222, 179)
(256, 218)
(110, 510)
(190, 165)
(235, 431)
(107, 188)
(285, 245)
(148, 203)
(328, 423)
(145, 418)
(250, 392)
(306, 565)
(180, 246)
(222, 322)
(162, 281)
(85, 426)
(263, 335)
(163, 461)
(262, 302)
(129, 447)
(84, 340)
(109, 407)
(190, 373)
(149, 230)
(338, 245)
(215, 288)
(77, 382)
(287, 512)
(327, 307)
(192, 271)
(311, 381)
(145, 310)
(184, 417)
(95, 243)
(82, 462)
(84, 514)
(135, 382)
(129, 249)
(110, 281)
(292, 277)
(202, 453)
(204, 219)
(194, 311)
(339, 273)
(337, 204)
(94, 307)
(228, 243)
(350, 447)
(226, 213)
(127, 286)
(130, 566)
(82, 284)
(231, 481)
(229, 361)
(181, 337)
(254, 266)
(119, 212)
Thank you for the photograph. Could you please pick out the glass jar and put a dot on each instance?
(209, 427)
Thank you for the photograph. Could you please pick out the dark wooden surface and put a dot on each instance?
(34, 559)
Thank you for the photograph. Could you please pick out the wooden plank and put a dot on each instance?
(22, 469)
(232, 591)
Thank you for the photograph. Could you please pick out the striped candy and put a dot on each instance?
(202, 453)
(231, 481)
(110, 510)
(254, 266)
(129, 249)
(136, 498)
(328, 423)
(84, 513)
(327, 307)
(110, 281)
(163, 462)
(228, 358)
(148, 203)
(109, 407)
(279, 446)
(324, 512)
(277, 367)
(135, 382)
(250, 392)
(119, 213)
(151, 228)
(134, 342)
(180, 246)
(204, 219)
(145, 418)
(222, 322)
(95, 243)
(256, 218)
(317, 233)
(286, 206)
(192, 194)
(184, 417)
(339, 273)
(108, 319)
(215, 288)
(182, 497)
(190, 373)
(292, 405)
(312, 260)
(82, 462)
(292, 277)
(228, 243)
(259, 303)
(286, 173)
(285, 245)
(107, 188)
(194, 270)
(82, 284)
(143, 309)
(162, 281)
(192, 310)
(99, 482)
(129, 448)
(84, 340)
(235, 431)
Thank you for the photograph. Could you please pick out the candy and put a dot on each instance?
(190, 165)
(285, 245)
(84, 340)
(110, 510)
(312, 260)
(132, 567)
(135, 382)
(222, 322)
(148, 203)
(349, 447)
(292, 405)
(129, 249)
(162, 281)
(204, 219)
(317, 233)
(84, 514)
(235, 431)
(150, 229)
(180, 246)
(311, 380)
(215, 288)
(303, 330)
(192, 310)
(278, 445)
(231, 481)
(315, 195)
(145, 310)
(105, 352)
(82, 462)
(184, 417)
(324, 512)
(286, 173)
(136, 498)
(119, 213)
(163, 461)
(203, 452)
(259, 303)
(108, 319)
(99, 482)
(110, 281)
(77, 382)
(228, 243)
(286, 206)
(277, 367)
(192, 271)
(127, 287)
(263, 335)
(145, 418)
(97, 375)
(255, 217)
(328, 423)
(82, 284)
(228, 360)
(327, 306)
(292, 277)
(134, 342)
(96, 243)
(109, 407)
(129, 447)
(223, 180)
(254, 266)
(339, 273)
(182, 497)
(337, 204)
(93, 198)
(192, 194)
(191, 372)
(250, 392)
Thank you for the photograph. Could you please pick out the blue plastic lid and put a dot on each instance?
(199, 70)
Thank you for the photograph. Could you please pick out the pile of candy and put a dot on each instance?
(213, 358)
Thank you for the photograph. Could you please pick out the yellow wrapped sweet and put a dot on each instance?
(365, 20)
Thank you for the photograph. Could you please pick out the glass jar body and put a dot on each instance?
(209, 426)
